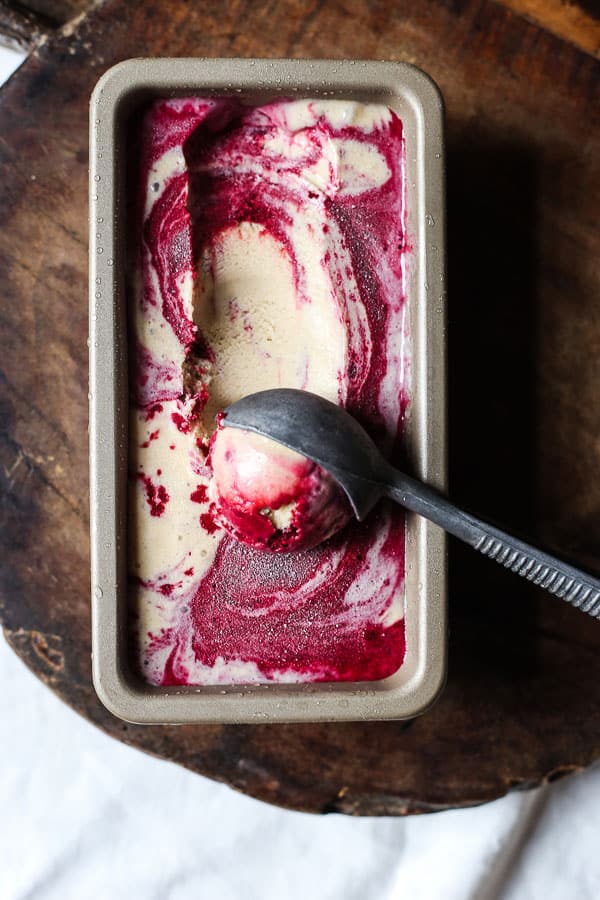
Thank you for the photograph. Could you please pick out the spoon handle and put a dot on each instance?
(557, 577)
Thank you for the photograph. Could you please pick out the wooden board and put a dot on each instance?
(524, 243)
(25, 26)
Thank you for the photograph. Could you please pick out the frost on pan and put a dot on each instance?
(269, 252)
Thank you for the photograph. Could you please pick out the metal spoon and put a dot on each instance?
(329, 435)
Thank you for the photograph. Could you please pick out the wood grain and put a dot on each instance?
(53, 12)
(60, 11)
(524, 243)
(20, 29)
(567, 19)
(23, 25)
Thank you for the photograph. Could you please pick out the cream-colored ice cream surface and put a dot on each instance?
(262, 335)
(165, 546)
(300, 114)
(275, 307)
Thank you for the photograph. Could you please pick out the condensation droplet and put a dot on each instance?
(94, 196)
(429, 219)
(155, 186)
(100, 250)
(100, 220)
(97, 295)
(98, 281)
(98, 593)
(96, 178)
(109, 262)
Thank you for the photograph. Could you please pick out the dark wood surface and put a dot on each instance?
(20, 28)
(578, 21)
(58, 12)
(25, 25)
(523, 694)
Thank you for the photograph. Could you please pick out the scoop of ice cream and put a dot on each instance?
(271, 497)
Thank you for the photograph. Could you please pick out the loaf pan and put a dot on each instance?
(417, 101)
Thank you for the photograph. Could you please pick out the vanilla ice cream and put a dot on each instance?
(269, 252)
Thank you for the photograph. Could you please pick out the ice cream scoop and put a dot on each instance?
(325, 433)
(271, 497)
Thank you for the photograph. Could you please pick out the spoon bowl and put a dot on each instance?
(321, 431)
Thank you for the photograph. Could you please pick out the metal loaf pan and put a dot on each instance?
(417, 101)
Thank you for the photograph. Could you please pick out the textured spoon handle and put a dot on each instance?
(561, 579)
(558, 578)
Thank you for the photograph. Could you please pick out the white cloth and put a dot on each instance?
(10, 60)
(84, 816)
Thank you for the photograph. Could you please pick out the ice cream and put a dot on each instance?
(269, 251)
(270, 497)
